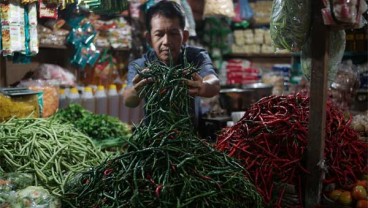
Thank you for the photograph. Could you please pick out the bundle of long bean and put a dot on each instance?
(49, 150)
(166, 165)
(271, 138)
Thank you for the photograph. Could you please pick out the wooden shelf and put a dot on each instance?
(66, 47)
(53, 46)
(258, 55)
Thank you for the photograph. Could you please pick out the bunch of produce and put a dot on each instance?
(352, 196)
(290, 23)
(166, 164)
(270, 141)
(106, 131)
(49, 150)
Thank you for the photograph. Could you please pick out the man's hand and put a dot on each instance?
(131, 94)
(209, 86)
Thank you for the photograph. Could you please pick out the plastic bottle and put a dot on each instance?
(88, 100)
(101, 100)
(113, 101)
(124, 110)
(73, 96)
(62, 99)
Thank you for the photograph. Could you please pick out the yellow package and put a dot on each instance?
(19, 103)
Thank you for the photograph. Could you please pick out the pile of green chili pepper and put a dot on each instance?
(166, 164)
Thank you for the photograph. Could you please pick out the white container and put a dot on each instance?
(88, 100)
(62, 99)
(124, 110)
(73, 96)
(113, 101)
(101, 100)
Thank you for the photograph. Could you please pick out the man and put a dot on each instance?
(166, 34)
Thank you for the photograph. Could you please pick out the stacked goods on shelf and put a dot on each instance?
(252, 41)
(52, 34)
(240, 72)
(262, 12)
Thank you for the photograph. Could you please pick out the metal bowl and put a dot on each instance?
(235, 99)
(260, 90)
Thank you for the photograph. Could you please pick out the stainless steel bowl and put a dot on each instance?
(260, 90)
(235, 99)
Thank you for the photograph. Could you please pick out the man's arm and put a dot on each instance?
(207, 86)
(130, 94)
(131, 97)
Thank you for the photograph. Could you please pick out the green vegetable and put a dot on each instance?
(336, 48)
(106, 131)
(166, 164)
(49, 150)
(290, 24)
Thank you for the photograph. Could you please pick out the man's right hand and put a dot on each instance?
(131, 94)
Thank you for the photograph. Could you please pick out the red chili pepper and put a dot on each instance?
(108, 171)
(158, 190)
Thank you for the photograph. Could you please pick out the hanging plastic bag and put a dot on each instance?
(343, 88)
(336, 52)
(246, 12)
(222, 8)
(290, 24)
(190, 23)
(347, 14)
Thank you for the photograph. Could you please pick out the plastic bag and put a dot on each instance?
(343, 88)
(347, 14)
(10, 183)
(246, 12)
(54, 72)
(290, 24)
(224, 8)
(50, 94)
(336, 53)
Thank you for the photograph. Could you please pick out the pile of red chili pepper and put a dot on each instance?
(166, 164)
(270, 141)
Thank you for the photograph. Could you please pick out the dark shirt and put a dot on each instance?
(196, 56)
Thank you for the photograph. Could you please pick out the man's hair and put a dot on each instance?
(168, 9)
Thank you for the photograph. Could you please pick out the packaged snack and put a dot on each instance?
(50, 90)
(18, 102)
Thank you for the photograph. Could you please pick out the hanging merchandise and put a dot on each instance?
(82, 37)
(104, 72)
(335, 52)
(105, 6)
(345, 14)
(190, 23)
(48, 10)
(219, 8)
(290, 24)
(246, 12)
(18, 28)
(345, 85)
(62, 3)
(216, 35)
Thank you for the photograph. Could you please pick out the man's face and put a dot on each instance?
(166, 37)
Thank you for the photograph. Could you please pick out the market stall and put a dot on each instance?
(287, 129)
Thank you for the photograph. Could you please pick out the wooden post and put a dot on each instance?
(317, 117)
(2, 71)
